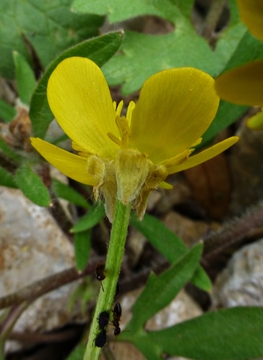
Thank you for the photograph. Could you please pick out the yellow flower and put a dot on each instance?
(126, 157)
(244, 85)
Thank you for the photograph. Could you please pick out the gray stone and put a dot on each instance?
(241, 283)
(32, 248)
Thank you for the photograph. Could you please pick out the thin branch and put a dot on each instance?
(233, 232)
(212, 18)
(34, 337)
(52, 282)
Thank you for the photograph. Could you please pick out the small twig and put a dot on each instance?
(212, 18)
(8, 323)
(11, 317)
(233, 232)
(43, 286)
(28, 337)
(59, 215)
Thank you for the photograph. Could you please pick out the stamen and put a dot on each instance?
(123, 127)
(114, 138)
(119, 108)
(130, 109)
(122, 123)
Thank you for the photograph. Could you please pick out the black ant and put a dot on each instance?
(116, 318)
(103, 321)
(99, 272)
(101, 339)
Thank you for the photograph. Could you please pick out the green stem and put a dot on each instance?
(112, 271)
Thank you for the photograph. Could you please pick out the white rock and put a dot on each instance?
(241, 283)
(32, 248)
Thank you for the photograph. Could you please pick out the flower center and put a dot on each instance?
(123, 125)
(130, 175)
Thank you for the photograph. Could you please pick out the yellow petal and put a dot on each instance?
(80, 99)
(243, 85)
(175, 108)
(69, 164)
(256, 122)
(251, 13)
(204, 155)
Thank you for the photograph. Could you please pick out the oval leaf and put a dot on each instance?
(32, 186)
(66, 192)
(229, 334)
(82, 248)
(167, 286)
(25, 78)
(93, 217)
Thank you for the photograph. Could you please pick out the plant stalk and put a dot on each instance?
(112, 271)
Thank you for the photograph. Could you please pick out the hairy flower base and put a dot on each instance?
(130, 176)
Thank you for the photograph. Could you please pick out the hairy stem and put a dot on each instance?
(233, 231)
(112, 271)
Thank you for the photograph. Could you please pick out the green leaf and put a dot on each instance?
(59, 139)
(32, 186)
(234, 13)
(82, 248)
(66, 192)
(142, 55)
(149, 350)
(228, 42)
(8, 151)
(168, 244)
(167, 286)
(185, 7)
(49, 26)
(229, 334)
(99, 49)
(7, 112)
(95, 214)
(25, 78)
(7, 179)
(119, 10)
(248, 49)
(201, 279)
